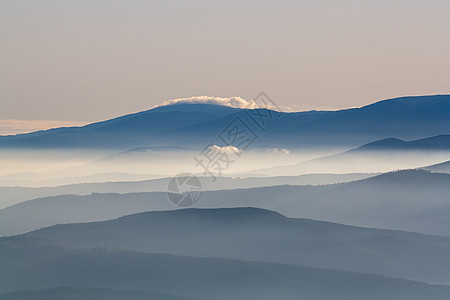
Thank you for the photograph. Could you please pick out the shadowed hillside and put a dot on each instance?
(13, 195)
(204, 278)
(80, 293)
(256, 234)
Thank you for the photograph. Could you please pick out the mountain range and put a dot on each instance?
(262, 235)
(204, 252)
(15, 194)
(412, 200)
(120, 274)
(364, 214)
(195, 125)
(378, 156)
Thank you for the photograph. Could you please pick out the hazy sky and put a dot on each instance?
(91, 60)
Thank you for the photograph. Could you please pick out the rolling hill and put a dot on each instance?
(82, 293)
(16, 194)
(35, 267)
(400, 200)
(443, 167)
(256, 234)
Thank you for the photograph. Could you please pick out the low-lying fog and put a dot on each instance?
(52, 168)
(48, 168)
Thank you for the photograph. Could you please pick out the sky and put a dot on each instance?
(84, 61)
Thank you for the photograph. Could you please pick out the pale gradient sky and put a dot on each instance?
(89, 60)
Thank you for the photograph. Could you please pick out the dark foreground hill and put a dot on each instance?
(82, 293)
(202, 278)
(262, 235)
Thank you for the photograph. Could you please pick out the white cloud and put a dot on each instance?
(236, 102)
(279, 151)
(227, 149)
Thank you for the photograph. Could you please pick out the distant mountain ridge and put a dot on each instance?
(435, 143)
(14, 194)
(195, 125)
(388, 154)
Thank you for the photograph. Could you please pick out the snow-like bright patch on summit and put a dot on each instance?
(236, 102)
(226, 149)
